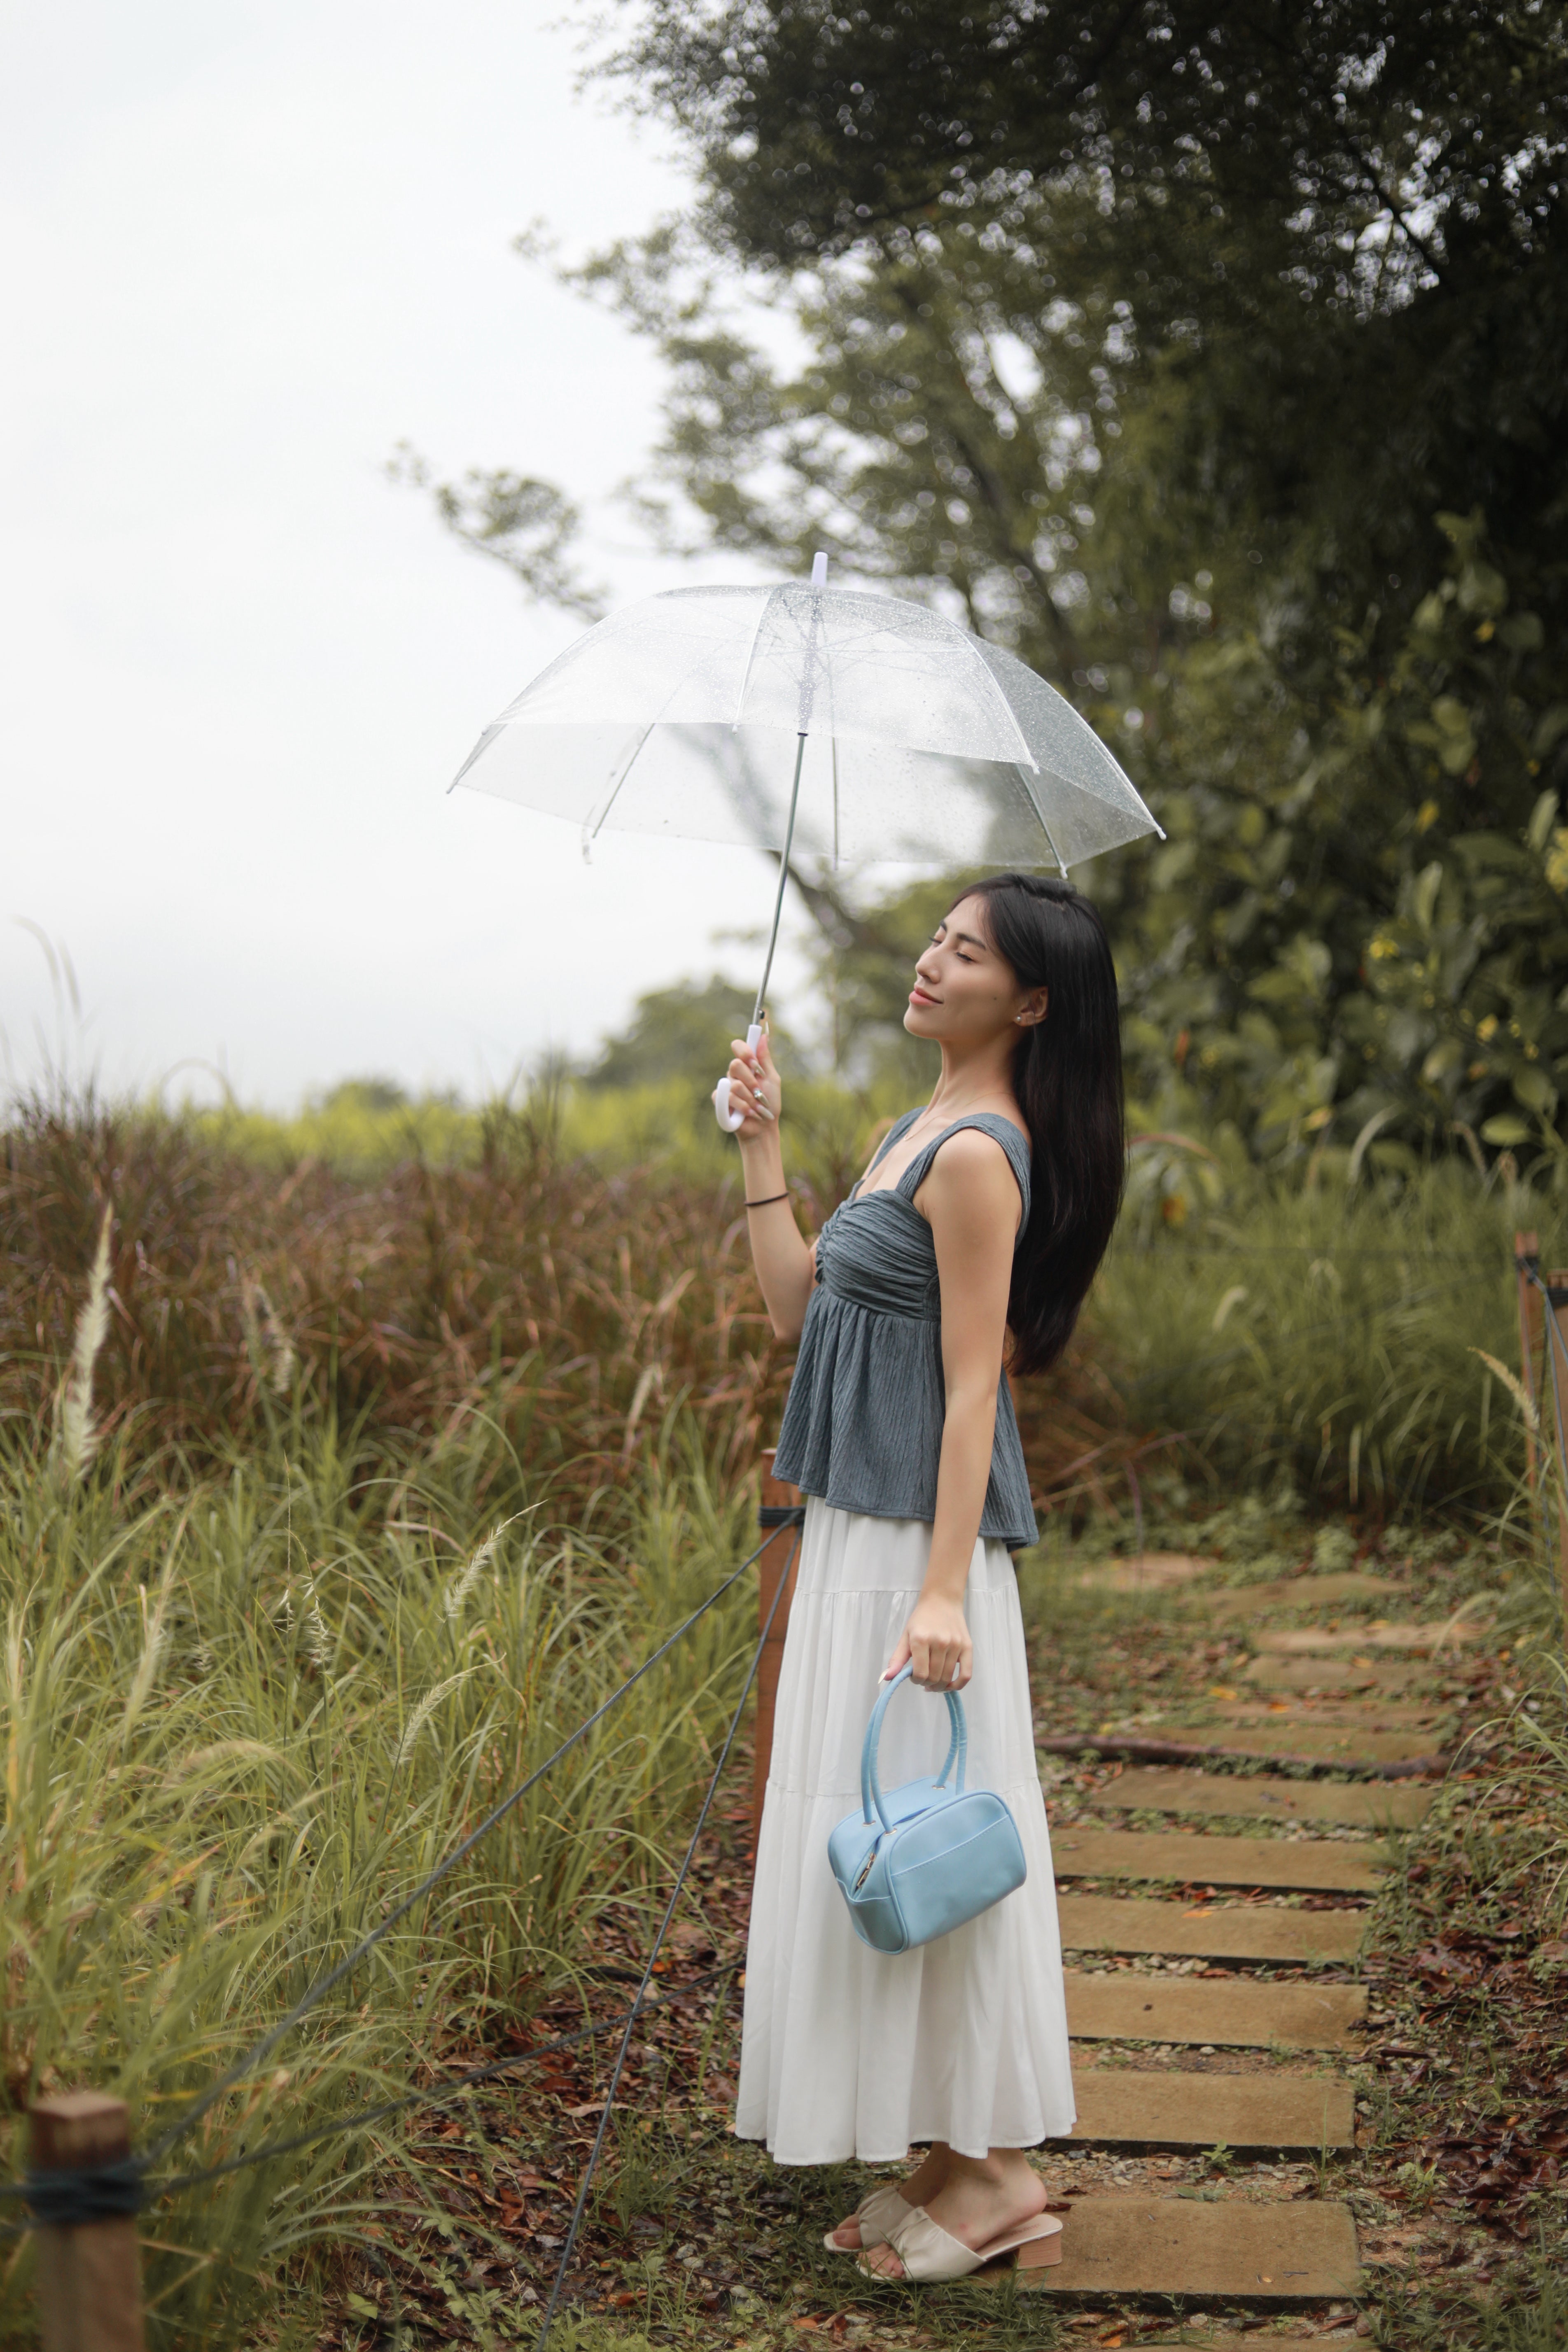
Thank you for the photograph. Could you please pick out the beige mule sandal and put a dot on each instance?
(878, 2215)
(930, 2253)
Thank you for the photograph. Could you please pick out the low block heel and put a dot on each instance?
(1038, 2253)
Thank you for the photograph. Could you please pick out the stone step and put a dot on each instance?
(1292, 1640)
(1119, 2108)
(1373, 1713)
(1255, 2253)
(1333, 1743)
(1235, 2014)
(1173, 1789)
(1300, 1592)
(1328, 1674)
(1311, 1864)
(1156, 1571)
(1196, 2341)
(1225, 1931)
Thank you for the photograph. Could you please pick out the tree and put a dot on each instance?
(674, 1033)
(1217, 365)
(1377, 188)
(1197, 356)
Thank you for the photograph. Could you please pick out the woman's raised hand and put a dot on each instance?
(936, 1640)
(755, 1088)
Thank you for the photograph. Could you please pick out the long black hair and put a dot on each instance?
(1067, 1073)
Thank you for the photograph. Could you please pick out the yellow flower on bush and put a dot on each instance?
(1557, 859)
(1486, 1030)
(1382, 948)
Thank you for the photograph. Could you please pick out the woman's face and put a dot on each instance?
(964, 993)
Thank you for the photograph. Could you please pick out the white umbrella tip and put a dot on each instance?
(819, 570)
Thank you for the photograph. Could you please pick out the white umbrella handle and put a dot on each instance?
(731, 1119)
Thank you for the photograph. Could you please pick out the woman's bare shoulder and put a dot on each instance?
(970, 1165)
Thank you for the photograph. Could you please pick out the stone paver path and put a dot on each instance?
(1186, 1858)
(1363, 1804)
(1172, 1966)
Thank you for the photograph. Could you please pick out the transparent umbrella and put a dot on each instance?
(805, 719)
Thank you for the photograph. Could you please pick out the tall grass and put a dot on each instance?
(1247, 1321)
(243, 1714)
(572, 1303)
(571, 1306)
(1327, 1328)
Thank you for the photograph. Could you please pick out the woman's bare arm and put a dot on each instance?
(785, 1263)
(971, 1202)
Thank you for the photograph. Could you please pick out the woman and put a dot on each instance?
(984, 1213)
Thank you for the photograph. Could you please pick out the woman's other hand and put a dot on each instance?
(755, 1088)
(936, 1640)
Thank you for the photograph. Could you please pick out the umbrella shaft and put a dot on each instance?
(783, 875)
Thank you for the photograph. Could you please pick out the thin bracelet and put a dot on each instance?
(769, 1202)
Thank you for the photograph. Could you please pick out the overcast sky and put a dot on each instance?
(247, 249)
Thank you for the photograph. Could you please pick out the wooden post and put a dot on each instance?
(783, 1548)
(1557, 1300)
(89, 2293)
(1526, 1250)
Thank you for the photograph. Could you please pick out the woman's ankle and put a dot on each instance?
(930, 2172)
(1005, 2171)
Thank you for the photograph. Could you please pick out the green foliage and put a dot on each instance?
(1369, 928)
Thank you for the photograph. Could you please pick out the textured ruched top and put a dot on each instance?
(863, 1424)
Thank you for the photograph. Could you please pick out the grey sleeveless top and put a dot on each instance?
(863, 1426)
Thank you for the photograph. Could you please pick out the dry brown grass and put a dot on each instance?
(573, 1306)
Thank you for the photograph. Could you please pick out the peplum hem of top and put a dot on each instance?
(862, 1428)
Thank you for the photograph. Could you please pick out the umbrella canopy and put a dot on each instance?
(924, 745)
(808, 717)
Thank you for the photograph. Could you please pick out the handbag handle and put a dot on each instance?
(871, 1804)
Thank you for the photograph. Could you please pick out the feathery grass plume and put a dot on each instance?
(457, 1591)
(318, 1641)
(425, 1710)
(284, 1361)
(153, 1639)
(76, 1434)
(1514, 1386)
(271, 1349)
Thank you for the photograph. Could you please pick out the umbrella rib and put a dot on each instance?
(972, 647)
(1033, 802)
(589, 838)
(751, 657)
(486, 740)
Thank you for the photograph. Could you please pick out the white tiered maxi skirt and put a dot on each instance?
(850, 2052)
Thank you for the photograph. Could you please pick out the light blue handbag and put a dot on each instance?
(918, 1863)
